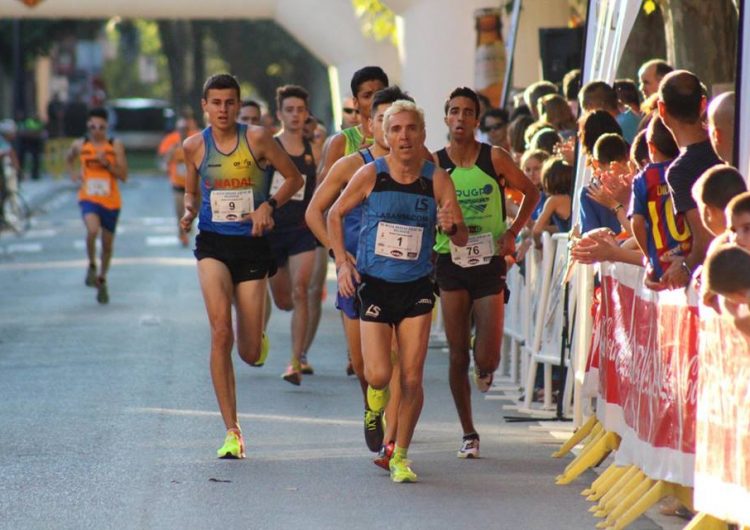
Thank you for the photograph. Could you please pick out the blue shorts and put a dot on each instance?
(107, 217)
(289, 242)
(349, 305)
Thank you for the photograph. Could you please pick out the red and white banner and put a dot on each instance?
(722, 466)
(648, 372)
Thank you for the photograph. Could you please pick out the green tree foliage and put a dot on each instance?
(378, 21)
(38, 36)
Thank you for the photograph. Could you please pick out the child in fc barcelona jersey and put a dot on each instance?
(659, 231)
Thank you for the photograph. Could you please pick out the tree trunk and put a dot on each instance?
(198, 31)
(173, 38)
(702, 37)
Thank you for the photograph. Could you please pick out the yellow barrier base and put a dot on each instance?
(703, 521)
(605, 509)
(590, 456)
(577, 437)
(603, 487)
(653, 495)
(624, 478)
(627, 502)
(601, 479)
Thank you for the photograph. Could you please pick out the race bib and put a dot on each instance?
(97, 187)
(398, 241)
(478, 251)
(229, 206)
(278, 180)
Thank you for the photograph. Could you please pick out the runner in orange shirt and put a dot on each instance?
(173, 161)
(102, 164)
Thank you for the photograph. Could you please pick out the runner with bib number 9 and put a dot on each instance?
(226, 188)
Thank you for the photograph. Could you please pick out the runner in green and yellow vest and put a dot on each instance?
(472, 278)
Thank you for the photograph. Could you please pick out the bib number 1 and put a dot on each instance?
(398, 241)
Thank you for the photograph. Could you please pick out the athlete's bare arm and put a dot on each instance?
(266, 148)
(120, 169)
(335, 151)
(449, 211)
(354, 193)
(504, 165)
(326, 194)
(194, 150)
(73, 154)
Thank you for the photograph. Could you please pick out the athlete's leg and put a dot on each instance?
(391, 411)
(108, 240)
(413, 335)
(489, 312)
(354, 343)
(300, 269)
(281, 288)
(250, 302)
(315, 295)
(376, 353)
(93, 226)
(217, 288)
(456, 307)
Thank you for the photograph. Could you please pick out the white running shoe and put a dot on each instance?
(469, 448)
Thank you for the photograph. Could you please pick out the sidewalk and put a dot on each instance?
(38, 192)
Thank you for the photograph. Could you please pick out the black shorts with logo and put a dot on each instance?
(390, 302)
(479, 281)
(290, 242)
(247, 258)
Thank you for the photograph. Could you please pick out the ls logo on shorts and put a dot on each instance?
(373, 311)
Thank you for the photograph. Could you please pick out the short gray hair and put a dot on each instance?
(403, 105)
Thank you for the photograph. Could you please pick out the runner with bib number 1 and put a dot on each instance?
(400, 194)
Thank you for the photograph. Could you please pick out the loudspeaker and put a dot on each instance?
(561, 50)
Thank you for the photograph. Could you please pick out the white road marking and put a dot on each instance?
(42, 233)
(161, 241)
(23, 248)
(74, 264)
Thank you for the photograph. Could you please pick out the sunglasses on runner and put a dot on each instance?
(496, 126)
(349, 110)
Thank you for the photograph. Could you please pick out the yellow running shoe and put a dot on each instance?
(400, 470)
(377, 399)
(265, 346)
(234, 446)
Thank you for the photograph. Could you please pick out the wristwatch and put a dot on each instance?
(685, 267)
(272, 203)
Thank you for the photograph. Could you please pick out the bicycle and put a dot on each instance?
(14, 210)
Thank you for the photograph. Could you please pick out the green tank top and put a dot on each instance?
(481, 196)
(354, 137)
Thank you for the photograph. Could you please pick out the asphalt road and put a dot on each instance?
(108, 418)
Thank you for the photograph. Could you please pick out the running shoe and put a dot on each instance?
(384, 456)
(234, 446)
(483, 380)
(91, 276)
(304, 367)
(377, 399)
(265, 345)
(374, 430)
(400, 470)
(102, 295)
(469, 447)
(292, 376)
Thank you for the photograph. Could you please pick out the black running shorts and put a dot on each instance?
(247, 258)
(479, 281)
(390, 303)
